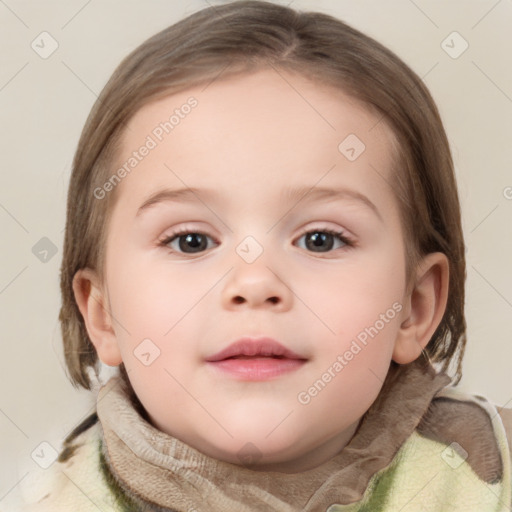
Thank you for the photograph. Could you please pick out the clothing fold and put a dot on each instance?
(422, 446)
(153, 467)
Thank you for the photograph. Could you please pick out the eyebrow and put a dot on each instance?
(329, 194)
(307, 194)
(181, 195)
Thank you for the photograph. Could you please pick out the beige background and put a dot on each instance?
(44, 104)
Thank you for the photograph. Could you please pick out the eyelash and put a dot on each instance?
(341, 235)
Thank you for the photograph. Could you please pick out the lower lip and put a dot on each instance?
(257, 368)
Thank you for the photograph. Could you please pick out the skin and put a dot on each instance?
(249, 138)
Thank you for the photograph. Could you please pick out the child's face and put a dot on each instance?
(248, 142)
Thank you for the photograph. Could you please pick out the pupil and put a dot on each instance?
(197, 242)
(318, 239)
(192, 240)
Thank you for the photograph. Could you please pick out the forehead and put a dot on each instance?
(258, 131)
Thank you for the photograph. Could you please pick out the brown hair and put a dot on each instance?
(247, 35)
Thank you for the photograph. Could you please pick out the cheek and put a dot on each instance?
(352, 296)
(148, 296)
(361, 306)
(152, 304)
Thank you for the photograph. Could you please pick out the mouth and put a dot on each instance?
(256, 359)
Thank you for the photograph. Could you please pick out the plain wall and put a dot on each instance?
(44, 104)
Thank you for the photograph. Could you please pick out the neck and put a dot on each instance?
(314, 457)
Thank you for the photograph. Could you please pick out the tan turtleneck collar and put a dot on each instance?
(161, 471)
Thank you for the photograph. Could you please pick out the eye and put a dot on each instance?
(193, 242)
(323, 240)
(188, 242)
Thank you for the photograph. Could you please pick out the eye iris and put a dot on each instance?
(317, 239)
(194, 241)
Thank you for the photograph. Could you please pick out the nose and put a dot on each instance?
(256, 285)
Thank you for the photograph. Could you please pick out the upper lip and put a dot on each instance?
(247, 346)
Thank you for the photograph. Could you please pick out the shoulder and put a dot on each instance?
(481, 431)
(74, 480)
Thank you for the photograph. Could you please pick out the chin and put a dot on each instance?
(252, 445)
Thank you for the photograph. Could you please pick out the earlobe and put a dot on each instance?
(93, 305)
(424, 309)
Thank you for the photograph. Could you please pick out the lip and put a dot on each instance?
(256, 359)
(246, 346)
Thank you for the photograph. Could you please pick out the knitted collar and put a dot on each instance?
(159, 472)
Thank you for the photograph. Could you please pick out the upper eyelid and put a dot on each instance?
(186, 230)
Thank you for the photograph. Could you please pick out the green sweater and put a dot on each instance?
(423, 446)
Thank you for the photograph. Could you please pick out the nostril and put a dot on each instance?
(239, 300)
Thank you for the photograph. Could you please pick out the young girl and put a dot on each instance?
(263, 233)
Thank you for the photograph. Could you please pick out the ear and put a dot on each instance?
(424, 308)
(93, 304)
